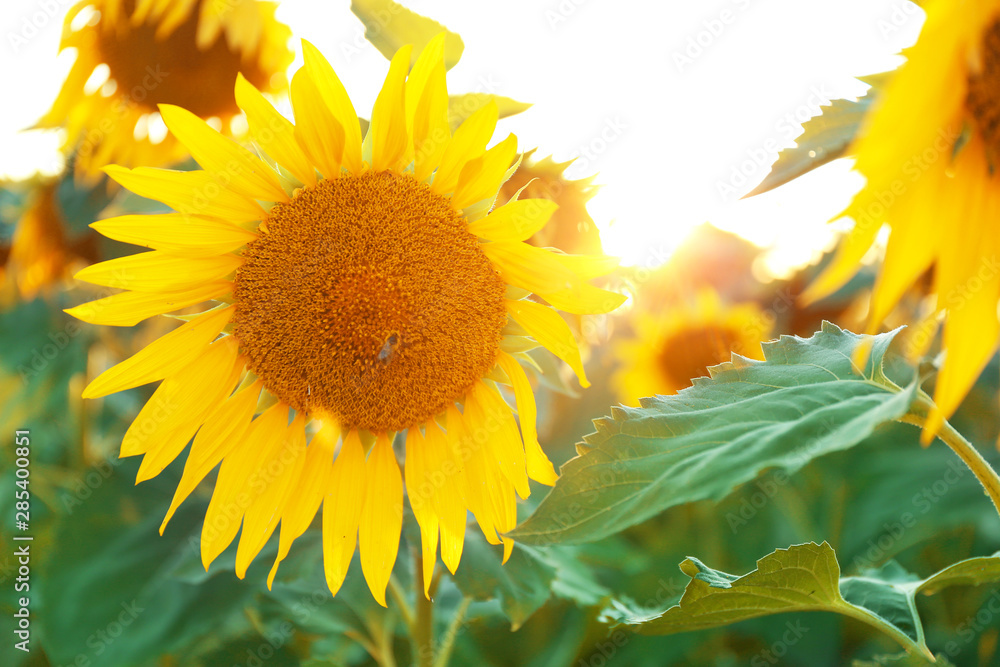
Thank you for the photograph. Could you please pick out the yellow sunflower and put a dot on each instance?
(929, 152)
(571, 228)
(367, 289)
(40, 255)
(672, 347)
(132, 55)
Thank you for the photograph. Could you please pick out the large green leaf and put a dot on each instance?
(824, 138)
(389, 25)
(805, 577)
(807, 399)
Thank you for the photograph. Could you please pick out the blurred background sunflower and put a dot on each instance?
(131, 55)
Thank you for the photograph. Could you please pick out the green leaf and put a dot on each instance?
(114, 591)
(824, 138)
(461, 107)
(389, 26)
(806, 400)
(804, 577)
(522, 584)
(970, 572)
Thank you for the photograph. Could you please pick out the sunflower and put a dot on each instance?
(571, 228)
(929, 152)
(40, 254)
(371, 300)
(132, 55)
(671, 348)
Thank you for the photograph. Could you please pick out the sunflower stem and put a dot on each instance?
(448, 641)
(400, 599)
(971, 457)
(987, 476)
(423, 636)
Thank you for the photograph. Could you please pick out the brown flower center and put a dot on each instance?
(367, 298)
(983, 99)
(688, 354)
(151, 71)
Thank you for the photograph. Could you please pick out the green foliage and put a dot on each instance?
(389, 26)
(807, 399)
(806, 577)
(461, 107)
(824, 138)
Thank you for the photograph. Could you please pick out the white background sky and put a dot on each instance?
(664, 99)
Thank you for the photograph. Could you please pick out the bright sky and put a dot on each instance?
(668, 101)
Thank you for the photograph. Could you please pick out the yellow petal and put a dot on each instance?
(912, 246)
(539, 467)
(158, 271)
(427, 109)
(584, 299)
(222, 431)
(338, 102)
(388, 126)
(271, 488)
(489, 492)
(473, 485)
(190, 192)
(164, 356)
(468, 143)
(588, 267)
(515, 221)
(232, 488)
(967, 280)
(342, 510)
(420, 490)
(486, 410)
(548, 328)
(535, 269)
(229, 163)
(301, 506)
(381, 516)
(274, 133)
(481, 178)
(851, 250)
(317, 131)
(181, 235)
(422, 75)
(129, 308)
(179, 406)
(444, 474)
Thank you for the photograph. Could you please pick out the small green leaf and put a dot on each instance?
(389, 26)
(806, 400)
(461, 107)
(971, 572)
(804, 577)
(824, 138)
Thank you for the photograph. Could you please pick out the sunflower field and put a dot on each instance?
(572, 333)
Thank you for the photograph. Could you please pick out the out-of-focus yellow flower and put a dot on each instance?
(134, 54)
(367, 287)
(40, 256)
(681, 340)
(571, 228)
(930, 152)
